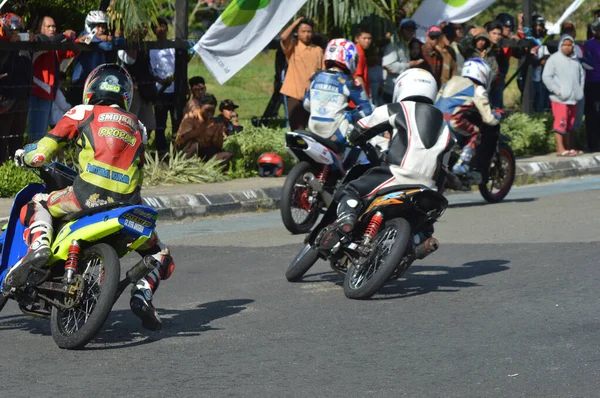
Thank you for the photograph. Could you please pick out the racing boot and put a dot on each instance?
(461, 168)
(344, 224)
(38, 238)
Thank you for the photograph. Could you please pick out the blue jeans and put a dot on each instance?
(39, 117)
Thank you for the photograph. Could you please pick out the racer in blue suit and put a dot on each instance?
(331, 90)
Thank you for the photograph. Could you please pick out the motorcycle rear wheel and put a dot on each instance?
(501, 175)
(390, 245)
(76, 327)
(297, 214)
(307, 257)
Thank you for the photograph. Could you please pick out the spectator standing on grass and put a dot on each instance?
(363, 39)
(46, 77)
(15, 83)
(229, 117)
(592, 90)
(396, 57)
(565, 78)
(304, 59)
(162, 62)
(137, 63)
(272, 109)
(200, 134)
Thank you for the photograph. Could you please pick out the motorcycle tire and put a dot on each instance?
(307, 257)
(290, 195)
(108, 281)
(506, 157)
(3, 301)
(386, 269)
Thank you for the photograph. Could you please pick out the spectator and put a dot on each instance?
(60, 106)
(459, 34)
(539, 55)
(432, 54)
(449, 65)
(565, 78)
(375, 77)
(199, 134)
(15, 83)
(96, 31)
(590, 31)
(592, 90)
(568, 28)
(229, 117)
(304, 59)
(45, 78)
(137, 63)
(197, 89)
(496, 90)
(415, 50)
(363, 39)
(396, 57)
(162, 62)
(272, 109)
(477, 44)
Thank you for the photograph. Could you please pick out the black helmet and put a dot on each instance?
(108, 84)
(537, 19)
(506, 20)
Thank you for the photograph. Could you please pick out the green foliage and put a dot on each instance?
(13, 179)
(67, 14)
(175, 168)
(248, 145)
(530, 134)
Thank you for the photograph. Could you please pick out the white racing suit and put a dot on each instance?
(419, 141)
(327, 101)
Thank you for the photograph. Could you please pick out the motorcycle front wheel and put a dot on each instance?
(100, 269)
(307, 257)
(390, 246)
(297, 212)
(501, 175)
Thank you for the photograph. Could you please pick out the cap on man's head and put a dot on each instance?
(408, 24)
(434, 32)
(227, 104)
(196, 80)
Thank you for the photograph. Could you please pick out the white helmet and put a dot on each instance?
(94, 18)
(341, 53)
(416, 83)
(477, 70)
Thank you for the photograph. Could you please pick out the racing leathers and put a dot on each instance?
(111, 144)
(327, 101)
(465, 104)
(418, 143)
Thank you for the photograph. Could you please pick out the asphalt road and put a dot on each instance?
(508, 307)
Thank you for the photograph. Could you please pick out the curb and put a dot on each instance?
(532, 172)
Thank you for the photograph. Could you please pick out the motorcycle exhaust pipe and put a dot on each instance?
(142, 268)
(316, 186)
(426, 248)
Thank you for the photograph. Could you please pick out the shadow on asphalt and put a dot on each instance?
(123, 329)
(422, 279)
(484, 203)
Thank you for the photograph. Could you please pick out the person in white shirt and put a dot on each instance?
(163, 68)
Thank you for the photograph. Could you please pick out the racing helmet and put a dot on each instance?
(11, 21)
(108, 84)
(415, 85)
(477, 70)
(343, 54)
(506, 20)
(94, 18)
(270, 164)
(538, 19)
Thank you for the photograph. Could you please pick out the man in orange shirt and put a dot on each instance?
(304, 59)
(363, 39)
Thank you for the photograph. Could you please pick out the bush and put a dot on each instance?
(13, 179)
(530, 134)
(248, 145)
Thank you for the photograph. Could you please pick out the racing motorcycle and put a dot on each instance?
(310, 184)
(492, 168)
(78, 286)
(391, 233)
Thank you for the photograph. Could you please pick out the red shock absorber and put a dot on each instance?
(373, 227)
(323, 175)
(72, 261)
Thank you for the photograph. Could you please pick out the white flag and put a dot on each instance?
(554, 28)
(241, 32)
(433, 12)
